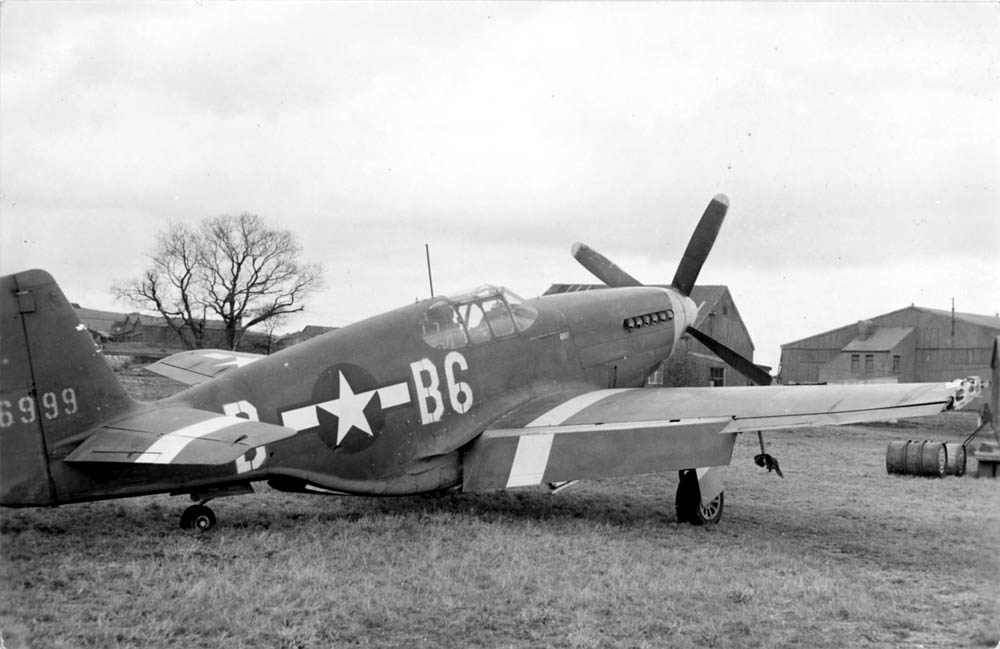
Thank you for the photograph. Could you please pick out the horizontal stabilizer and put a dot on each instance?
(199, 365)
(176, 436)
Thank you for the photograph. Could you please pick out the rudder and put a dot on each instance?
(54, 386)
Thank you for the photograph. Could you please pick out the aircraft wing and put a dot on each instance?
(199, 365)
(610, 433)
(177, 436)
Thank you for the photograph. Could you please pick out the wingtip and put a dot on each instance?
(576, 247)
(721, 198)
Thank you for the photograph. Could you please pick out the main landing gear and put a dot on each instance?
(690, 508)
(198, 517)
(700, 498)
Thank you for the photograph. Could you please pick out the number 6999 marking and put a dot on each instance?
(49, 406)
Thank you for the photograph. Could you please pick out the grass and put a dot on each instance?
(837, 554)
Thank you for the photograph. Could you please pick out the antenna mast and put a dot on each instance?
(430, 278)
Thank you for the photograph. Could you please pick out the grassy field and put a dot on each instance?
(837, 554)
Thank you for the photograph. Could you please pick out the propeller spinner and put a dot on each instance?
(687, 273)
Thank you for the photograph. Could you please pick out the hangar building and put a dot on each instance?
(138, 336)
(693, 364)
(914, 344)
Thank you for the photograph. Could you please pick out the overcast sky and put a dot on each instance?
(859, 146)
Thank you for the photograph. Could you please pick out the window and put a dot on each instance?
(441, 327)
(475, 317)
(855, 362)
(498, 318)
(869, 362)
(895, 364)
(716, 376)
(472, 314)
(524, 315)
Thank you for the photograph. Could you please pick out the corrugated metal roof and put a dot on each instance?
(881, 339)
(990, 322)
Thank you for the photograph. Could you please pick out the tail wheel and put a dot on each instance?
(198, 517)
(688, 502)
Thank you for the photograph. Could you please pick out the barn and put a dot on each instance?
(693, 364)
(307, 332)
(914, 344)
(130, 336)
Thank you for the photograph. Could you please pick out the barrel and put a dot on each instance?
(917, 458)
(926, 459)
(956, 458)
(894, 458)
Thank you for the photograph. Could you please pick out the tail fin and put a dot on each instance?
(54, 385)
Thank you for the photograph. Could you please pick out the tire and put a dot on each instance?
(198, 517)
(688, 502)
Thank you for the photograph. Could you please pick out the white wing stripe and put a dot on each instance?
(567, 409)
(530, 459)
(169, 446)
(532, 453)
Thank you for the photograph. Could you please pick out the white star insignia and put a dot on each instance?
(237, 361)
(349, 409)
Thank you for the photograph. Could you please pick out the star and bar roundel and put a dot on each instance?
(347, 408)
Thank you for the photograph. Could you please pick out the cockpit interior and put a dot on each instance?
(475, 317)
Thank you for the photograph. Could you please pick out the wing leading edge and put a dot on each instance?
(199, 365)
(612, 433)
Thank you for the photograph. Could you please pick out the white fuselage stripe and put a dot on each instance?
(305, 417)
(169, 446)
(300, 418)
(394, 395)
(532, 453)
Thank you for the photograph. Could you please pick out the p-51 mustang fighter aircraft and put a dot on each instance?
(478, 391)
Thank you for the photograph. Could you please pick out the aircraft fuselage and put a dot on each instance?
(383, 407)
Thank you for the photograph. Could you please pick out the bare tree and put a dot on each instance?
(233, 268)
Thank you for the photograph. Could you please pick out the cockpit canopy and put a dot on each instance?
(475, 317)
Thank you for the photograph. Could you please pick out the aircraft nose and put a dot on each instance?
(685, 314)
(688, 312)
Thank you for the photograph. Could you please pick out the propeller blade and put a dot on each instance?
(732, 358)
(602, 268)
(700, 244)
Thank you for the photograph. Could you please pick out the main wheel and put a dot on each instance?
(688, 502)
(198, 517)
